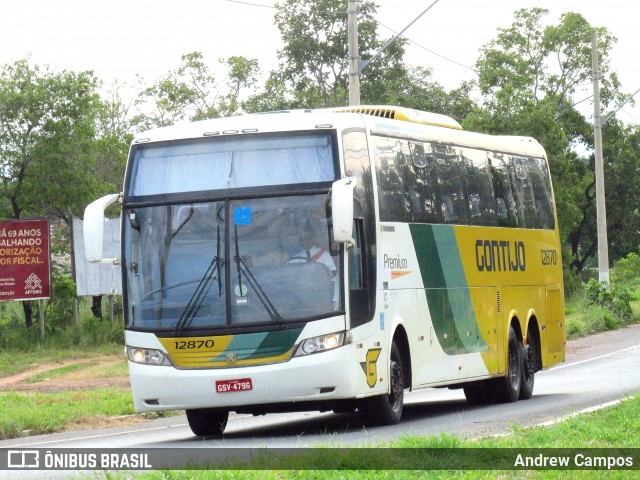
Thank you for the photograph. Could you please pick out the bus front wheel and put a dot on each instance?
(387, 409)
(208, 422)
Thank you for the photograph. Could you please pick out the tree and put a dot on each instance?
(116, 119)
(242, 74)
(314, 59)
(313, 71)
(46, 140)
(192, 91)
(528, 77)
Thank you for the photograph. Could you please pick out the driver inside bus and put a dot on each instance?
(311, 252)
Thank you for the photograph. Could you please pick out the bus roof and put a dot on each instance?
(401, 113)
(384, 120)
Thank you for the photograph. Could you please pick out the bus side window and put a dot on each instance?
(453, 197)
(525, 200)
(482, 202)
(541, 185)
(392, 157)
(505, 202)
(422, 182)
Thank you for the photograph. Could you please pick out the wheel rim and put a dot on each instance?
(397, 385)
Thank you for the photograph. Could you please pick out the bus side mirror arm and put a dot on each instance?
(93, 229)
(342, 210)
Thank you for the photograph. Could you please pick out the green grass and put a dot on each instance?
(120, 369)
(12, 362)
(32, 413)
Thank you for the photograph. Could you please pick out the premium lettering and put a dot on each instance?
(391, 262)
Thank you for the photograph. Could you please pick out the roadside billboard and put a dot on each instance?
(24, 260)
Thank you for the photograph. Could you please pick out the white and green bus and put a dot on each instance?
(332, 259)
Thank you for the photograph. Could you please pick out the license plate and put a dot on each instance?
(239, 385)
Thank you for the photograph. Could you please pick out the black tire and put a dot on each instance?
(208, 422)
(507, 389)
(479, 393)
(528, 367)
(386, 409)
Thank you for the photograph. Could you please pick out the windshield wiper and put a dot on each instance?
(241, 263)
(201, 291)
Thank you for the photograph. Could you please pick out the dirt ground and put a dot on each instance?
(88, 377)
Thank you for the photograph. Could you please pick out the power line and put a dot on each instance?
(429, 50)
(251, 4)
(629, 115)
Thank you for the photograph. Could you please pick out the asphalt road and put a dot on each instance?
(599, 369)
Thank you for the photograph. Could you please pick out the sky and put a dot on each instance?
(119, 39)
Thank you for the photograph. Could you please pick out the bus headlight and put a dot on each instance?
(147, 356)
(320, 344)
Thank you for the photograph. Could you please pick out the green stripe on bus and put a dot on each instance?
(277, 343)
(428, 260)
(446, 289)
(261, 345)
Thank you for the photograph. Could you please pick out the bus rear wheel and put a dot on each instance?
(507, 389)
(387, 409)
(528, 367)
(208, 422)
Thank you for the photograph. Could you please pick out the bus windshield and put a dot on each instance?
(230, 263)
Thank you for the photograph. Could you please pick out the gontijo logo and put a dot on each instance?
(500, 256)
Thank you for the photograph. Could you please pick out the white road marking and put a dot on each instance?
(592, 359)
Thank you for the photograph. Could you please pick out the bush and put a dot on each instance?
(59, 309)
(572, 282)
(617, 299)
(626, 271)
(60, 329)
(94, 331)
(91, 332)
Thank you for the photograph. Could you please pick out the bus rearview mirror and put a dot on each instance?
(93, 229)
(342, 210)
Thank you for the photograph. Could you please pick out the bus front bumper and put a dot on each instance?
(320, 377)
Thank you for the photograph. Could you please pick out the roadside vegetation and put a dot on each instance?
(591, 308)
(612, 428)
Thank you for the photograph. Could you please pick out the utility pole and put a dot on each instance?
(354, 58)
(601, 212)
(355, 65)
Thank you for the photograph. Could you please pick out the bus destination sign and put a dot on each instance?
(24, 260)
